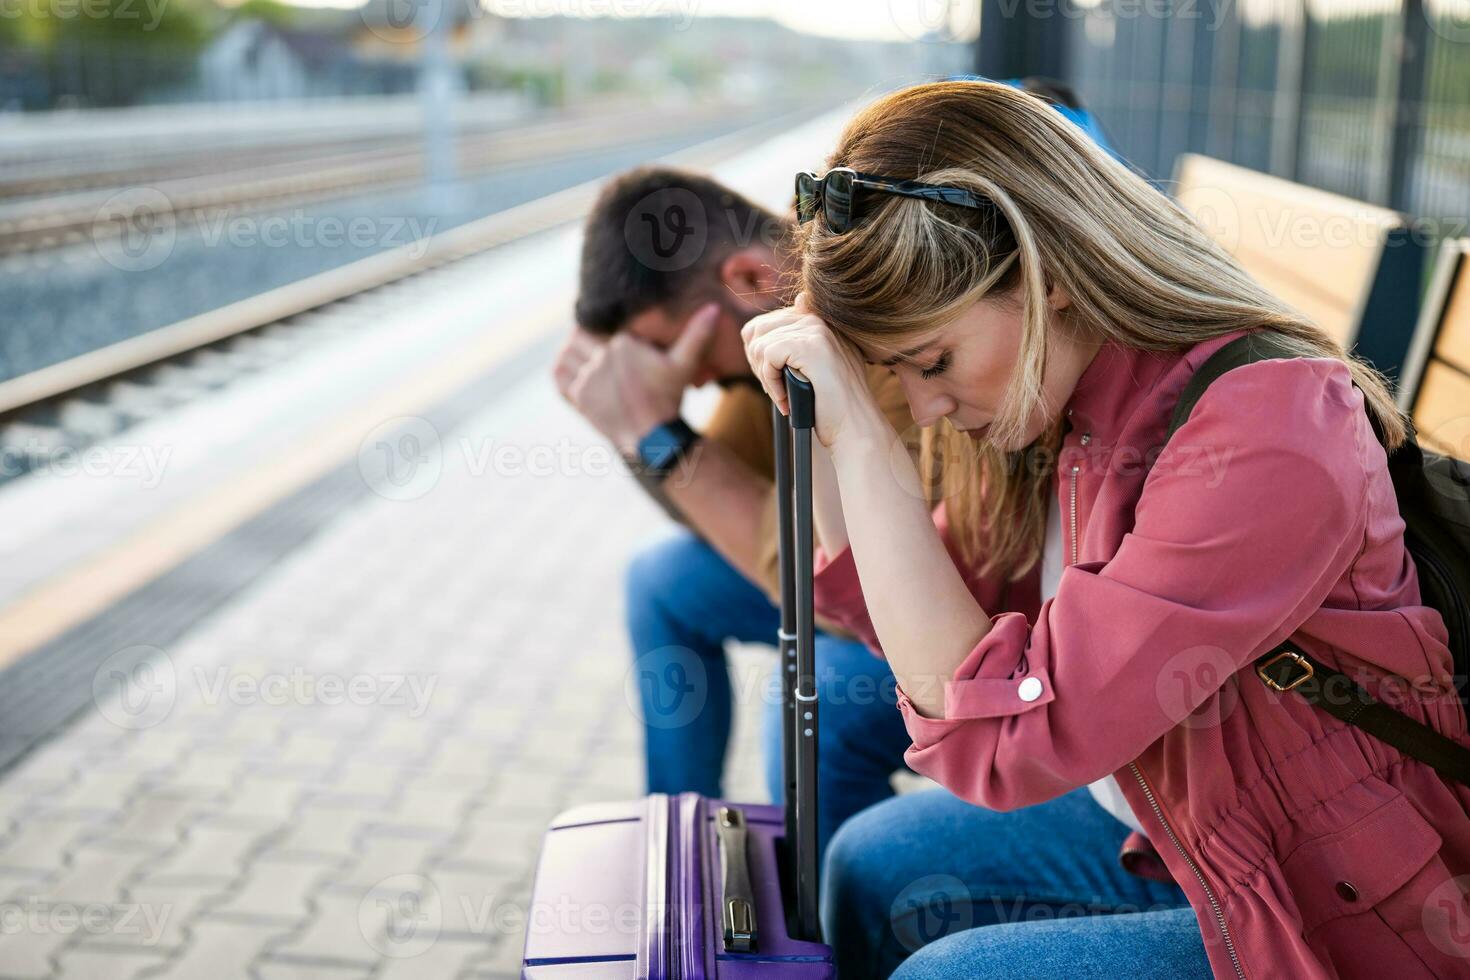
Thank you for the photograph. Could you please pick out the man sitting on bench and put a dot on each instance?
(673, 264)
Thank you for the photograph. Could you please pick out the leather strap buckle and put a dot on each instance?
(1277, 672)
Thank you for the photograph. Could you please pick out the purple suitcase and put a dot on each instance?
(689, 888)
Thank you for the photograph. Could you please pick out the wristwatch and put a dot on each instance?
(662, 448)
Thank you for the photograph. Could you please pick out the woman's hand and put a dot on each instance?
(795, 337)
(922, 611)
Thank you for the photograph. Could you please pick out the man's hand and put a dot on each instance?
(626, 386)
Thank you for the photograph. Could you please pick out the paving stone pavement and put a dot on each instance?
(344, 771)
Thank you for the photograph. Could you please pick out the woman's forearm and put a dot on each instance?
(831, 528)
(923, 613)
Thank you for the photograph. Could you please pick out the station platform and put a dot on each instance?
(297, 697)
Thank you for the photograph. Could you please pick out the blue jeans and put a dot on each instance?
(683, 602)
(930, 886)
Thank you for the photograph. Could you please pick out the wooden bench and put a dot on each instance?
(1435, 386)
(1354, 268)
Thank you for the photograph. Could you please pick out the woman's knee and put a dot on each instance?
(1161, 945)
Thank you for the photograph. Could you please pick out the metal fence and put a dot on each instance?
(1368, 98)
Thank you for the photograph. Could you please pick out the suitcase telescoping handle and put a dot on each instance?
(793, 438)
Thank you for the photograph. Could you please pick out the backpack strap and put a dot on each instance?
(1258, 345)
(1288, 667)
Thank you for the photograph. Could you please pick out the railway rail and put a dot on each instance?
(66, 407)
(36, 225)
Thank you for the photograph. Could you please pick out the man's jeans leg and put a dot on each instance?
(860, 733)
(683, 602)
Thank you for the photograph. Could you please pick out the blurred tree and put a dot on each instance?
(102, 52)
(175, 23)
(270, 11)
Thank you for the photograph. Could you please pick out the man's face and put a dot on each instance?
(725, 362)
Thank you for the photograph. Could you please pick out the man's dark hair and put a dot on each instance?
(653, 237)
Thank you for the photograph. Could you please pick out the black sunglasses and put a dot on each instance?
(834, 194)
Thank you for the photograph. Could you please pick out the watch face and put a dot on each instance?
(659, 448)
(659, 457)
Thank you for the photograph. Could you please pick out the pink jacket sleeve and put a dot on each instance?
(1215, 567)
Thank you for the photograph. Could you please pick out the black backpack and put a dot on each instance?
(1434, 501)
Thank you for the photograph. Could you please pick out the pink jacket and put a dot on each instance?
(1306, 847)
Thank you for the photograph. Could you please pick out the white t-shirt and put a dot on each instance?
(1106, 791)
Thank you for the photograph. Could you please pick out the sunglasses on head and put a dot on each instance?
(834, 195)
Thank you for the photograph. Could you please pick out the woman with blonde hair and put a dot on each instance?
(1044, 308)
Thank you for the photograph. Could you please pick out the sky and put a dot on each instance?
(887, 20)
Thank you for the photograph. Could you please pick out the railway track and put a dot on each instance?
(117, 149)
(57, 177)
(30, 226)
(58, 412)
